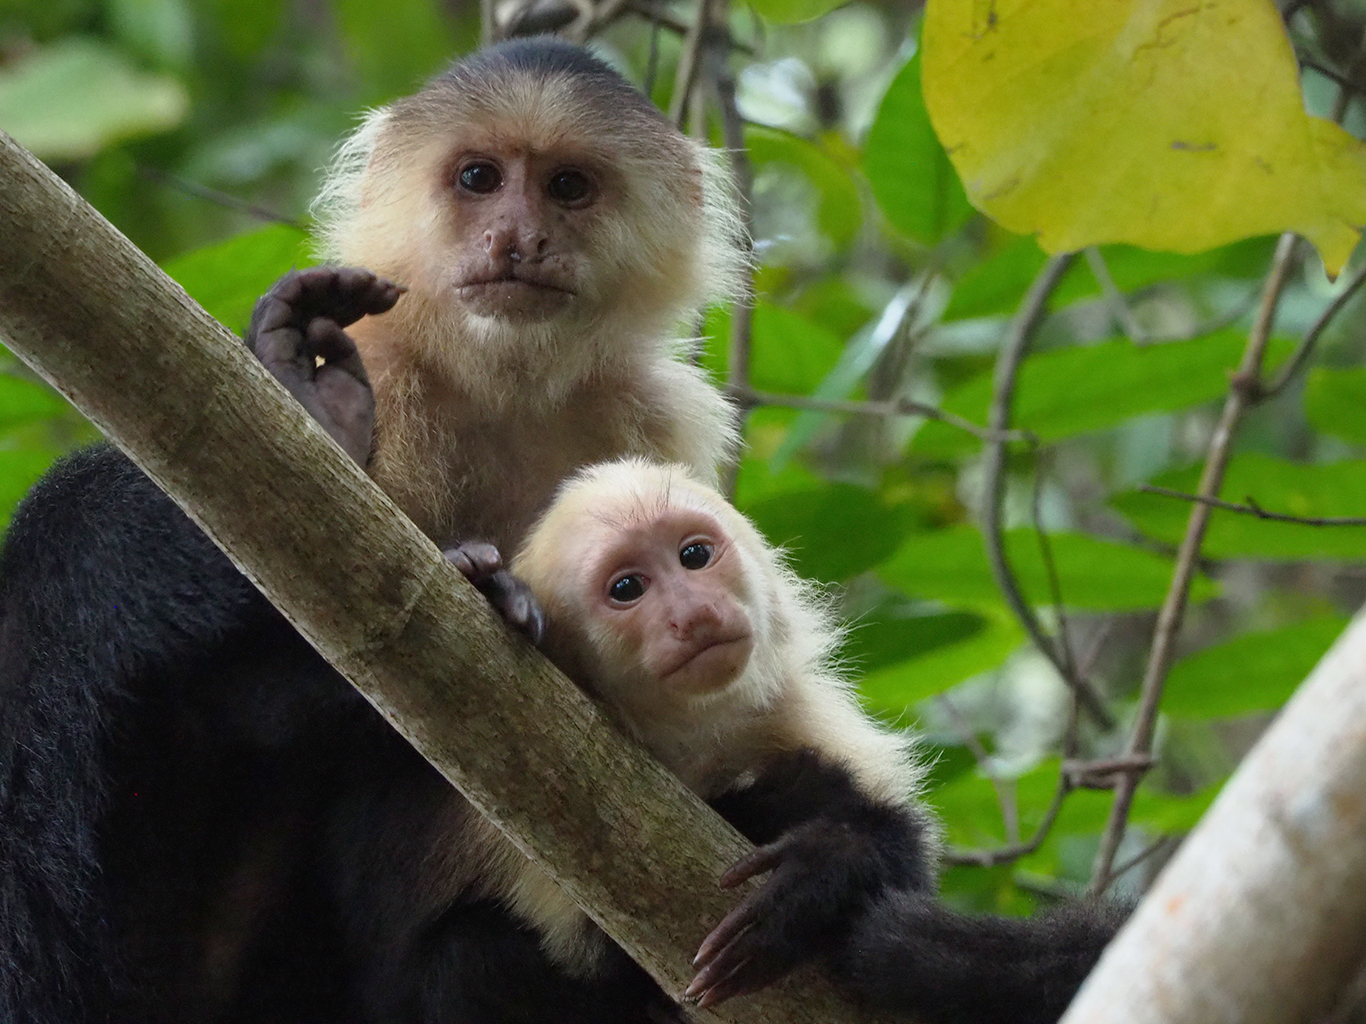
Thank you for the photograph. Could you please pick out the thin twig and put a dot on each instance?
(1101, 774)
(1014, 851)
(1296, 362)
(891, 407)
(660, 15)
(1054, 582)
(694, 46)
(1253, 509)
(1005, 797)
(1114, 298)
(742, 313)
(1242, 387)
(213, 195)
(1142, 855)
(1007, 364)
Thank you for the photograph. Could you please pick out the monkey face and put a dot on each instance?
(520, 219)
(669, 589)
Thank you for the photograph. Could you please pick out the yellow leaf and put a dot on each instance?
(1168, 124)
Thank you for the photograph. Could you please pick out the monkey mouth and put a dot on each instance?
(511, 281)
(713, 664)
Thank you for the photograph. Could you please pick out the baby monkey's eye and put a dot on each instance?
(627, 589)
(481, 177)
(695, 555)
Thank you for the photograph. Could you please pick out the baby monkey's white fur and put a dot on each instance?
(789, 695)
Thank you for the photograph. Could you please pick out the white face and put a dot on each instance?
(663, 600)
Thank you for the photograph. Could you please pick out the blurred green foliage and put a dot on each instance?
(198, 127)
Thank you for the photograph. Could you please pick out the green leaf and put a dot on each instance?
(791, 12)
(789, 353)
(1069, 391)
(228, 278)
(854, 363)
(395, 45)
(890, 689)
(1254, 672)
(951, 566)
(1157, 123)
(912, 179)
(23, 401)
(1168, 813)
(1333, 402)
(73, 97)
(1276, 485)
(832, 531)
(839, 213)
(996, 285)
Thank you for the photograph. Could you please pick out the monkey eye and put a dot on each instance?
(570, 187)
(627, 588)
(695, 554)
(481, 177)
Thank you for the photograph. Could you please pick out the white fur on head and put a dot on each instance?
(669, 239)
(790, 695)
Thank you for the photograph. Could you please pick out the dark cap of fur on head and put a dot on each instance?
(546, 57)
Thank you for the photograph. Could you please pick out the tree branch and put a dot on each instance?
(1253, 509)
(188, 402)
(993, 492)
(1169, 617)
(1260, 917)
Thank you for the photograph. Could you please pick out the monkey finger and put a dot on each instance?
(765, 858)
(515, 602)
(477, 560)
(715, 980)
(326, 339)
(732, 925)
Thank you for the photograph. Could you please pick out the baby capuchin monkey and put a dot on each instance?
(665, 602)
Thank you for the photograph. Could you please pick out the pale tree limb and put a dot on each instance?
(185, 399)
(1260, 917)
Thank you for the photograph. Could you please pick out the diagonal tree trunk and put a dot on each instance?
(187, 401)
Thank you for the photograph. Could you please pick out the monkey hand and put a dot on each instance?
(296, 332)
(482, 565)
(823, 873)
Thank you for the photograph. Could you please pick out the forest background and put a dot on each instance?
(999, 553)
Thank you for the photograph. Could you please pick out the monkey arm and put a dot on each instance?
(911, 954)
(830, 848)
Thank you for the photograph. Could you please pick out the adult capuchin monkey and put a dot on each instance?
(199, 820)
(665, 602)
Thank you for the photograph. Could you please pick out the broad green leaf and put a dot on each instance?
(839, 212)
(901, 630)
(832, 531)
(891, 689)
(788, 353)
(790, 12)
(1159, 123)
(1254, 672)
(1167, 813)
(227, 278)
(22, 401)
(854, 363)
(1335, 402)
(912, 179)
(1068, 391)
(73, 97)
(951, 566)
(996, 285)
(395, 45)
(1289, 488)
